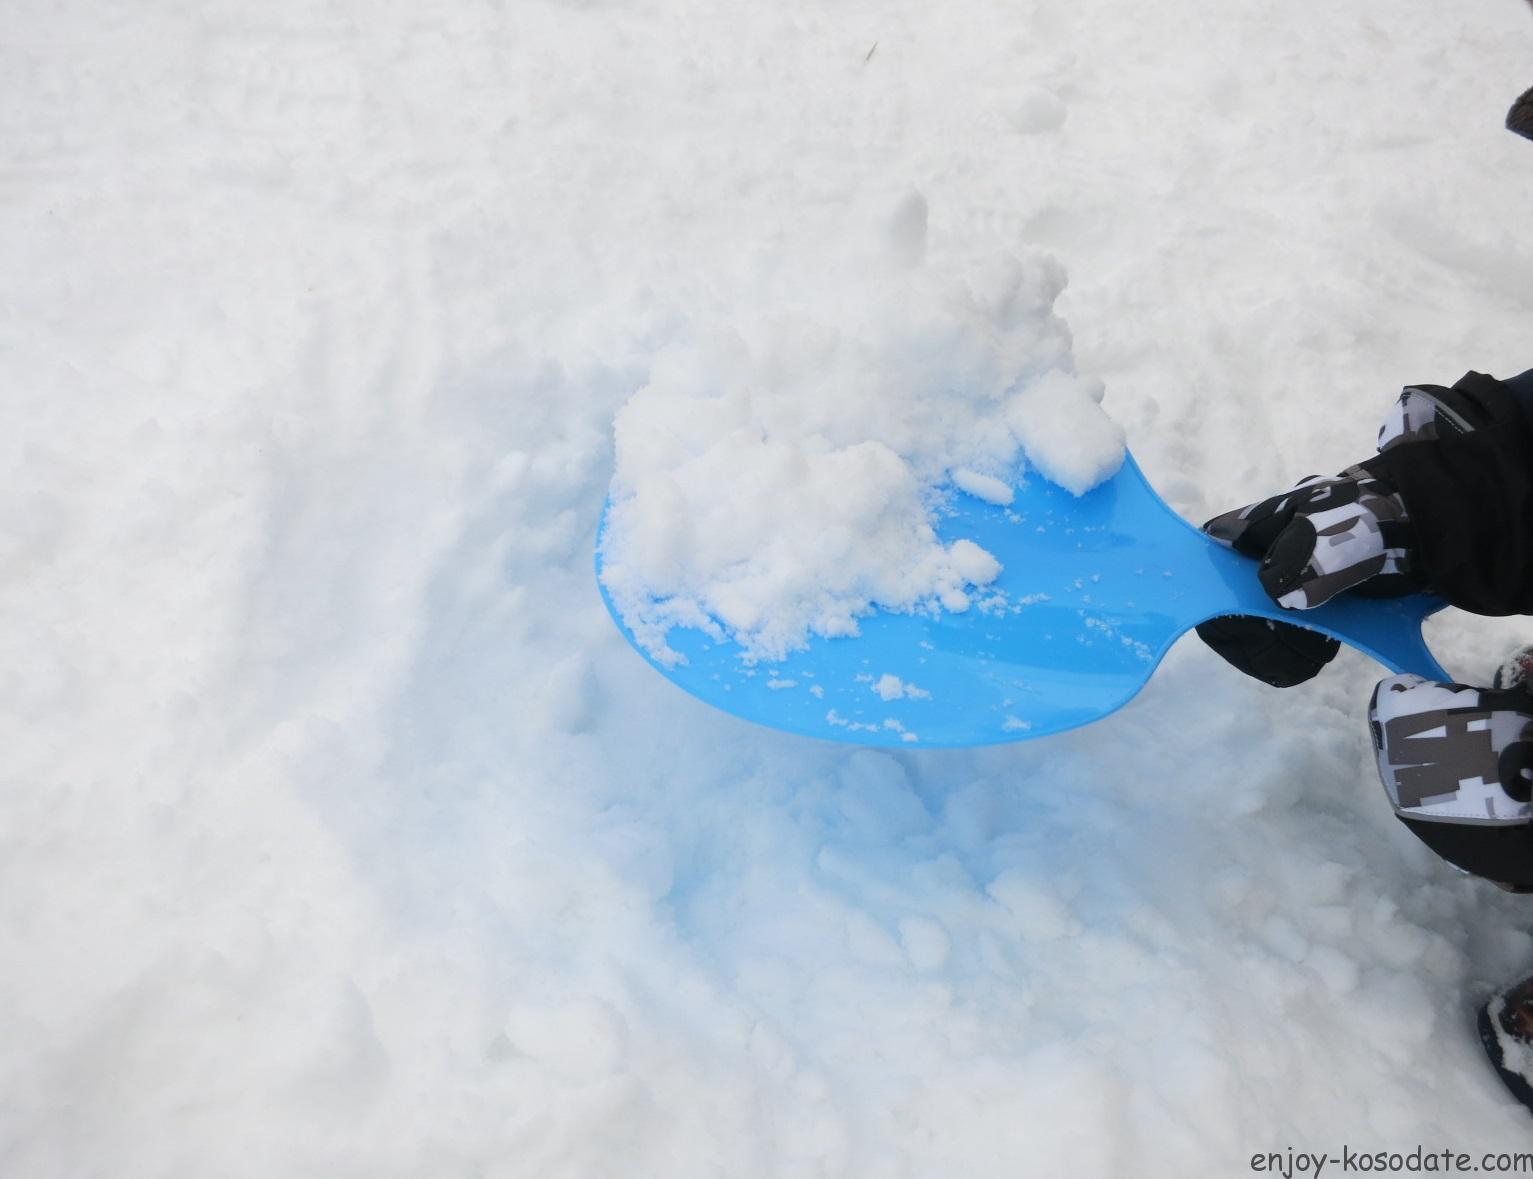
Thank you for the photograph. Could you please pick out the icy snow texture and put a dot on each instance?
(779, 474)
(340, 832)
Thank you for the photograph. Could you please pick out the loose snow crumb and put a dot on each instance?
(986, 487)
(891, 687)
(894, 726)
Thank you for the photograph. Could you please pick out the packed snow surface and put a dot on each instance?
(781, 472)
(342, 834)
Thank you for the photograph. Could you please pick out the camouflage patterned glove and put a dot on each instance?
(1457, 764)
(1427, 413)
(1452, 754)
(1354, 532)
(1323, 537)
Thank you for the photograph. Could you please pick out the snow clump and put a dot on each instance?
(782, 474)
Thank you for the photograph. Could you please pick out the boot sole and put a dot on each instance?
(1516, 1085)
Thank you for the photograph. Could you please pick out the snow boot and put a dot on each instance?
(1520, 117)
(1515, 671)
(1506, 1030)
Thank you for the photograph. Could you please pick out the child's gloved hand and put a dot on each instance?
(1449, 752)
(1457, 764)
(1445, 504)
(1277, 653)
(1323, 537)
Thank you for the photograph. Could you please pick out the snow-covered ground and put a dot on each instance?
(341, 834)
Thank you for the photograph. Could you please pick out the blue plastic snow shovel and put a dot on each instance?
(1094, 590)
